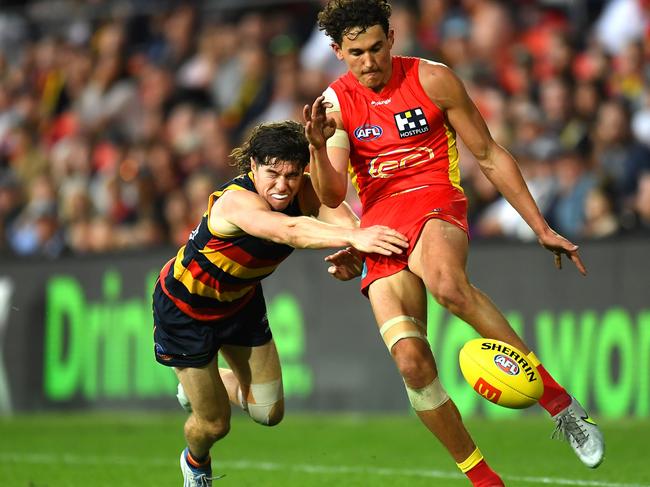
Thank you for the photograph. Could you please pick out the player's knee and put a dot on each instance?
(451, 294)
(414, 362)
(215, 429)
(266, 403)
(267, 415)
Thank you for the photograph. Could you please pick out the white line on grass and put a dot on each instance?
(47, 458)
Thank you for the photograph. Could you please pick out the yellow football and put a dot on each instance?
(500, 373)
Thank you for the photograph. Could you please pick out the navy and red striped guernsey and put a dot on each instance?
(213, 276)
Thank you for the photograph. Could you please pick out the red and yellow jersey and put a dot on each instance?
(213, 276)
(399, 139)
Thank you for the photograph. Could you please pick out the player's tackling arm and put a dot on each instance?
(447, 91)
(328, 161)
(345, 264)
(249, 213)
(311, 205)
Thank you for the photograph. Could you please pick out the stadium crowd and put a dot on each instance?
(117, 118)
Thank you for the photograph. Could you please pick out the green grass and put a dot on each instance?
(135, 449)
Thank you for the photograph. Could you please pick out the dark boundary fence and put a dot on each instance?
(75, 333)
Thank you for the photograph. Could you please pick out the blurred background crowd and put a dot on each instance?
(117, 117)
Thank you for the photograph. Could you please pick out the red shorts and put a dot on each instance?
(407, 213)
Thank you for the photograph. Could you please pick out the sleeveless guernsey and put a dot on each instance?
(399, 139)
(213, 276)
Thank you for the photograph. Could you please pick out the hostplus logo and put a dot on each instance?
(411, 122)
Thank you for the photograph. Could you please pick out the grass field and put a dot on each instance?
(135, 449)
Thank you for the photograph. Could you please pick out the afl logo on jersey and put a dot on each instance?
(367, 133)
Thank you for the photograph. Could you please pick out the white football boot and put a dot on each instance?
(196, 477)
(582, 433)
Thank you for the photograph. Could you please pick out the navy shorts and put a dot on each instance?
(181, 341)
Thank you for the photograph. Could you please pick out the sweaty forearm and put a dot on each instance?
(308, 233)
(503, 172)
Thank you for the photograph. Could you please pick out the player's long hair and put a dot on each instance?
(339, 17)
(269, 143)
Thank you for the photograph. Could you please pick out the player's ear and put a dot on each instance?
(253, 165)
(337, 51)
(391, 38)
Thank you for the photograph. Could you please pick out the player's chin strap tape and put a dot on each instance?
(471, 461)
(263, 398)
(401, 327)
(429, 397)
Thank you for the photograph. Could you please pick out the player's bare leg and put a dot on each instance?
(210, 417)
(399, 305)
(208, 422)
(439, 258)
(255, 381)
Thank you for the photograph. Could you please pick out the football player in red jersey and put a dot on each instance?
(208, 298)
(392, 121)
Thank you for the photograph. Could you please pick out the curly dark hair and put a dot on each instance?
(270, 143)
(339, 17)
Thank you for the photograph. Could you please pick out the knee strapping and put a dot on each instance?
(182, 398)
(401, 327)
(429, 397)
(264, 397)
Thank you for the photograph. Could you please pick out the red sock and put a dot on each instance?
(483, 476)
(555, 398)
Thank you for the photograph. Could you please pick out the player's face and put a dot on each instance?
(277, 183)
(367, 55)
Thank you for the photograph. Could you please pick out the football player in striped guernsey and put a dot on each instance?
(209, 299)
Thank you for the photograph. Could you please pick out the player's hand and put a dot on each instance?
(378, 239)
(559, 245)
(346, 264)
(318, 126)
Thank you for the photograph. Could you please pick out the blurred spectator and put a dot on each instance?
(618, 158)
(317, 59)
(600, 219)
(575, 181)
(500, 219)
(622, 22)
(628, 80)
(10, 204)
(107, 103)
(639, 220)
(179, 219)
(641, 121)
(36, 229)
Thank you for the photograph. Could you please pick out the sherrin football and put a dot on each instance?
(500, 373)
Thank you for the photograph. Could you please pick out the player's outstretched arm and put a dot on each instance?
(447, 91)
(251, 214)
(328, 165)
